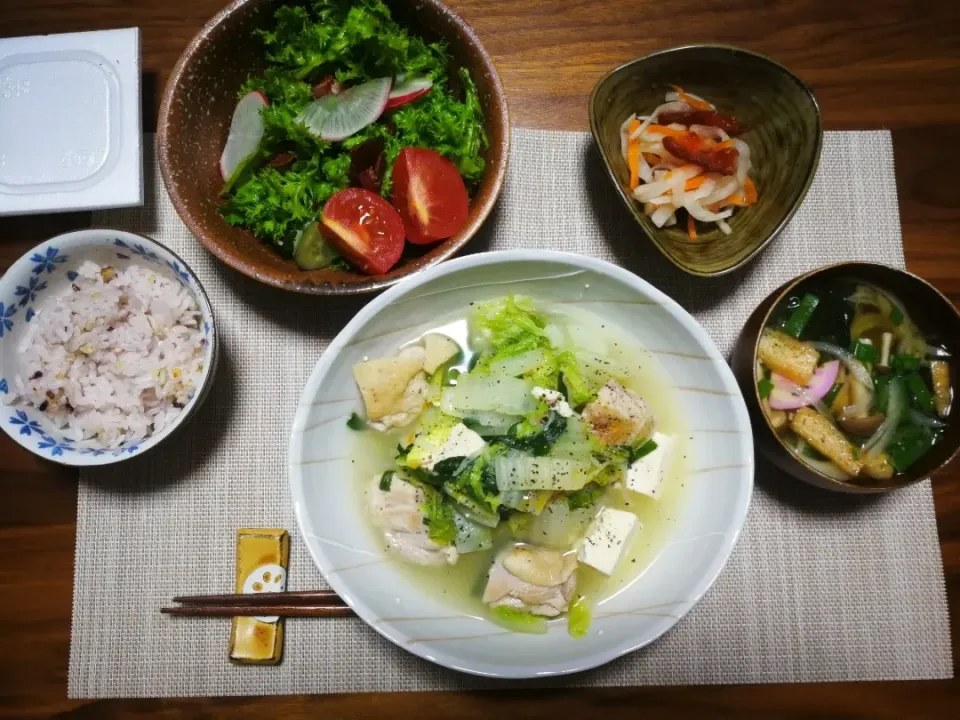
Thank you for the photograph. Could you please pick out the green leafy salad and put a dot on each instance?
(346, 92)
(522, 440)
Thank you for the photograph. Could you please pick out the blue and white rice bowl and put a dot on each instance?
(29, 292)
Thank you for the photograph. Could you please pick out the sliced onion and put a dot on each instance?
(934, 351)
(661, 215)
(624, 135)
(701, 213)
(856, 367)
(743, 160)
(724, 189)
(918, 418)
(896, 405)
(724, 227)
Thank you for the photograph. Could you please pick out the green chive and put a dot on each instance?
(919, 392)
(896, 315)
(648, 447)
(864, 352)
(801, 315)
(355, 422)
(385, 481)
(832, 394)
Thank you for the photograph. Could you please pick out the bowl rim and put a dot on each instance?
(375, 283)
(602, 267)
(775, 299)
(199, 397)
(592, 113)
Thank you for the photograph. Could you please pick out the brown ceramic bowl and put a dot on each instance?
(933, 314)
(195, 115)
(784, 138)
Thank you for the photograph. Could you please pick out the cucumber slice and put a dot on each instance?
(312, 251)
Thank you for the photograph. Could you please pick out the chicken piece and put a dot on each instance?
(823, 437)
(788, 356)
(393, 386)
(533, 579)
(618, 416)
(439, 349)
(397, 511)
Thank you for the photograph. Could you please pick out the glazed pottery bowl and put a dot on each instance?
(195, 114)
(33, 282)
(334, 522)
(784, 139)
(935, 316)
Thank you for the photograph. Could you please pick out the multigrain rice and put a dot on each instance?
(115, 358)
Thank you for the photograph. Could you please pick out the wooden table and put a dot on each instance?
(872, 63)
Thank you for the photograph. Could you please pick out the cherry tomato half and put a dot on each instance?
(365, 228)
(430, 195)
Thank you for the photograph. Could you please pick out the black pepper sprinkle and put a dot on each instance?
(75, 288)
(37, 375)
(43, 406)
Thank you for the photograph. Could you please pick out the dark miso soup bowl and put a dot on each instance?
(933, 313)
(194, 120)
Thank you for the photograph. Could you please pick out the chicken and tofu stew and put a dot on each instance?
(528, 460)
(850, 382)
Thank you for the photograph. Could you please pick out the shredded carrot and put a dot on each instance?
(664, 130)
(691, 101)
(750, 194)
(694, 183)
(633, 154)
(651, 159)
(723, 145)
(691, 227)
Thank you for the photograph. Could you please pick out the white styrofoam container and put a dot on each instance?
(70, 134)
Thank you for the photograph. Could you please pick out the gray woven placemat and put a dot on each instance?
(819, 588)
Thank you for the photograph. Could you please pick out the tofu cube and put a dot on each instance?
(462, 442)
(608, 539)
(645, 475)
(788, 356)
(618, 416)
(823, 437)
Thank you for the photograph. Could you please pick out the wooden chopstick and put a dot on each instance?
(308, 603)
(305, 597)
(281, 610)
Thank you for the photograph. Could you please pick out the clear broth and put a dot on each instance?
(461, 585)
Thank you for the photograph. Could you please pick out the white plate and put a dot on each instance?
(719, 478)
(70, 136)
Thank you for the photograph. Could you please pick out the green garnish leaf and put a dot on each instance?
(904, 363)
(355, 422)
(896, 315)
(519, 621)
(578, 617)
(909, 444)
(438, 517)
(800, 317)
(537, 441)
(587, 496)
(355, 41)
(386, 480)
(764, 387)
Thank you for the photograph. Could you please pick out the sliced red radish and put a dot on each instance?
(335, 117)
(246, 129)
(406, 89)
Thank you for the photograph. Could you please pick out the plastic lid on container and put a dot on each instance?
(70, 135)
